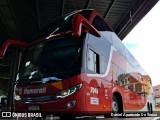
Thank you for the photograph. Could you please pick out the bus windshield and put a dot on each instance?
(51, 61)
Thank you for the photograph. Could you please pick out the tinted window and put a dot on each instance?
(103, 64)
(93, 61)
(100, 24)
(50, 61)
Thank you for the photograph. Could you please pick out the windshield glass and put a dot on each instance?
(61, 24)
(51, 61)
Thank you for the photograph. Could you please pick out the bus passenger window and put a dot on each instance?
(93, 61)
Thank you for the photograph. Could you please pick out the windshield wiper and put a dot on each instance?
(32, 78)
(35, 82)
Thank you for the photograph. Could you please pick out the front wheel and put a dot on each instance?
(115, 105)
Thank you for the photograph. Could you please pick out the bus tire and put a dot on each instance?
(148, 107)
(151, 109)
(115, 105)
(114, 110)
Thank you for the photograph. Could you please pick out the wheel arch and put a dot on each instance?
(120, 100)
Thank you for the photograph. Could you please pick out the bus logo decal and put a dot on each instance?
(35, 91)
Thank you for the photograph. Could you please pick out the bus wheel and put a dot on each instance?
(148, 108)
(151, 110)
(115, 105)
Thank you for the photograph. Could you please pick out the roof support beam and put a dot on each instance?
(28, 8)
(63, 2)
(13, 29)
(5, 23)
(38, 17)
(109, 8)
(87, 4)
(136, 13)
(15, 20)
(124, 16)
(127, 20)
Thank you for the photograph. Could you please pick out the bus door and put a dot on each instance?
(93, 80)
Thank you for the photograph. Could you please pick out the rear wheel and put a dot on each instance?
(148, 107)
(151, 110)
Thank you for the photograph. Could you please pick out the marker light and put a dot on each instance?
(71, 104)
(69, 91)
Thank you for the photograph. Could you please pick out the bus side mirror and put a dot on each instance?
(8, 43)
(78, 22)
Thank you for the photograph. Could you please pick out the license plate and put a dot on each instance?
(33, 107)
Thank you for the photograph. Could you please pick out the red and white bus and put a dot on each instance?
(78, 66)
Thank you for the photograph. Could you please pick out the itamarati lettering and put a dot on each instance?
(35, 91)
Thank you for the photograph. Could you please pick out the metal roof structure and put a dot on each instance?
(21, 18)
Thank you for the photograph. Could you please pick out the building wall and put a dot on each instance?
(156, 90)
(134, 82)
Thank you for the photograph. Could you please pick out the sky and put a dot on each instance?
(144, 43)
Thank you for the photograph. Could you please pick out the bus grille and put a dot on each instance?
(38, 99)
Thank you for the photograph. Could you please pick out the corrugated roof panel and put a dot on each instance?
(31, 15)
(100, 5)
(51, 11)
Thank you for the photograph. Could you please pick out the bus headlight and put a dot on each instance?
(69, 91)
(17, 97)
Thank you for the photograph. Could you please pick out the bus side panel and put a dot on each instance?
(94, 95)
(124, 93)
(128, 84)
(107, 82)
(98, 86)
